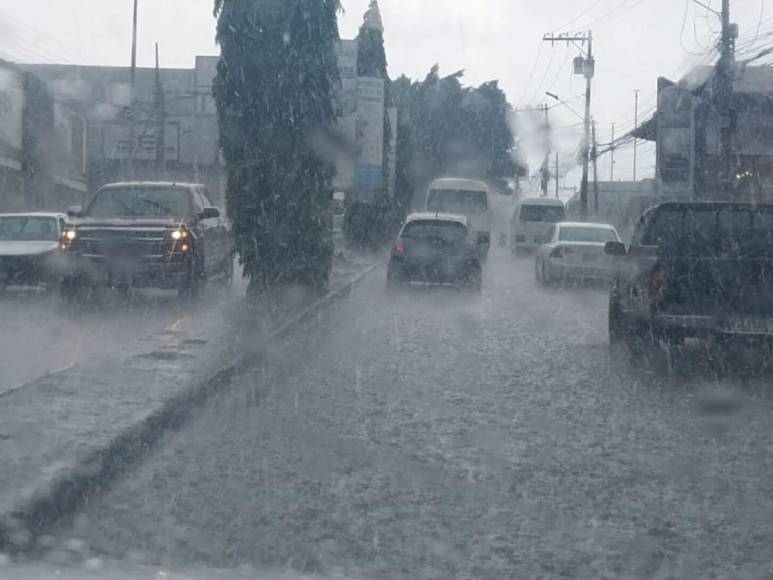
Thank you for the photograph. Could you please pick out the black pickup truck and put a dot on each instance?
(695, 270)
(143, 234)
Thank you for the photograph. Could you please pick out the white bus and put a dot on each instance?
(467, 197)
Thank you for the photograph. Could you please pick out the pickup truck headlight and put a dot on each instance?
(181, 234)
(68, 236)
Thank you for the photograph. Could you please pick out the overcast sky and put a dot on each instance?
(635, 41)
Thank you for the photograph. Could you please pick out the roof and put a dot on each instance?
(459, 184)
(159, 184)
(34, 214)
(750, 82)
(541, 201)
(586, 225)
(447, 217)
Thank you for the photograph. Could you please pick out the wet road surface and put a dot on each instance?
(439, 434)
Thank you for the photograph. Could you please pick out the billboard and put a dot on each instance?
(11, 110)
(369, 126)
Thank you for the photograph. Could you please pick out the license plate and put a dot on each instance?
(750, 325)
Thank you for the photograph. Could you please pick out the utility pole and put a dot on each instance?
(557, 185)
(611, 155)
(583, 65)
(546, 163)
(160, 106)
(595, 156)
(636, 130)
(724, 80)
(133, 95)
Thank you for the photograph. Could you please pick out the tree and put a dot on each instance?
(371, 56)
(447, 128)
(274, 90)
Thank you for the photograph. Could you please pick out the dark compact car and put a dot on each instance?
(158, 235)
(695, 270)
(29, 249)
(435, 248)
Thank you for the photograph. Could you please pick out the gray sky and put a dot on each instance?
(635, 41)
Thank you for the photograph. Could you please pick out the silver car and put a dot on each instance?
(575, 252)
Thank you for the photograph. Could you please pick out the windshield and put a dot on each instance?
(455, 201)
(542, 213)
(590, 235)
(149, 202)
(28, 229)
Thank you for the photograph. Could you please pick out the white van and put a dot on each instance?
(532, 222)
(467, 197)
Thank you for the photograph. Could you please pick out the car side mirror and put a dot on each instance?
(615, 249)
(209, 213)
(75, 211)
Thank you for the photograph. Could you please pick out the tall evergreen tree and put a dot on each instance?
(371, 56)
(274, 90)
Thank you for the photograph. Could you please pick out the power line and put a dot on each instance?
(531, 74)
(581, 15)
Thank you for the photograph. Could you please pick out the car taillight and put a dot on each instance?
(658, 285)
(399, 249)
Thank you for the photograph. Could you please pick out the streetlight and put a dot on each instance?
(565, 104)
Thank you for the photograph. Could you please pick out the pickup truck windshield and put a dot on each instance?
(28, 229)
(712, 231)
(140, 202)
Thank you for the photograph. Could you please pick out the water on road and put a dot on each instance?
(440, 434)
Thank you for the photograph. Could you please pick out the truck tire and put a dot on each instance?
(616, 324)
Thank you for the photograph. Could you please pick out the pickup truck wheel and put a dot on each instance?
(474, 279)
(191, 286)
(616, 326)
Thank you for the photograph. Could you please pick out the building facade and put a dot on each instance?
(171, 121)
(43, 160)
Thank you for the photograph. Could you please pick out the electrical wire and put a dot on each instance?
(531, 74)
(581, 15)
(544, 76)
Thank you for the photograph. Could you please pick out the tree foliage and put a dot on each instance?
(371, 56)
(274, 89)
(447, 128)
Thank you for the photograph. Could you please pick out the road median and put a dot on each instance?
(70, 433)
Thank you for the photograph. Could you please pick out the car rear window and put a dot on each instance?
(457, 201)
(542, 213)
(434, 229)
(140, 202)
(590, 235)
(724, 230)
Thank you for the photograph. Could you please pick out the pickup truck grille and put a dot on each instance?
(107, 243)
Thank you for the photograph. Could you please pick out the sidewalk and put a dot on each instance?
(70, 432)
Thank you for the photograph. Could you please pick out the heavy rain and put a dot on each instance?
(412, 289)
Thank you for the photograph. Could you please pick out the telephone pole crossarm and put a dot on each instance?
(586, 66)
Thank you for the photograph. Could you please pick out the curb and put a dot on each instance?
(56, 499)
